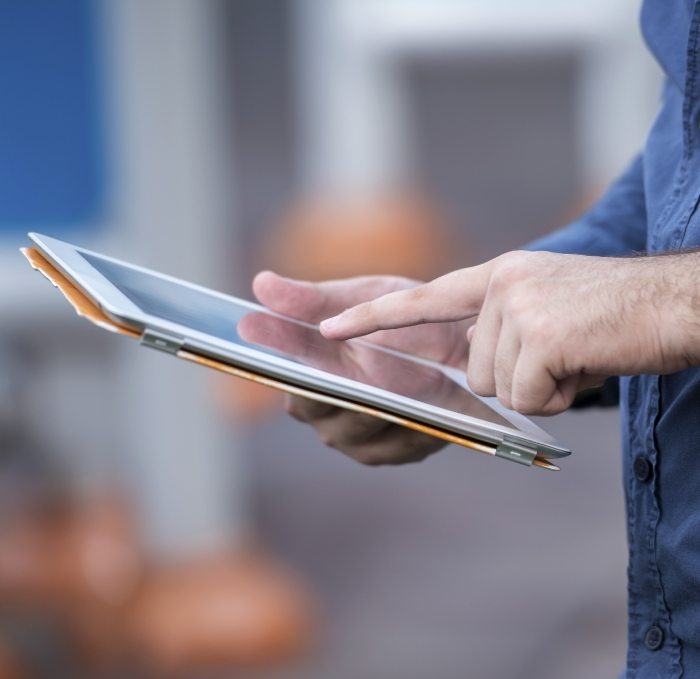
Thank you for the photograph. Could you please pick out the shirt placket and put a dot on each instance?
(654, 651)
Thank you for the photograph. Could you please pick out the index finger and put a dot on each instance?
(452, 297)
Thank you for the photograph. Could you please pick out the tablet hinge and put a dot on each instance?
(516, 452)
(161, 341)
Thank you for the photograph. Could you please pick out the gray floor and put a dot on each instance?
(462, 566)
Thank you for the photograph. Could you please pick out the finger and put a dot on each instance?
(306, 409)
(536, 391)
(367, 439)
(563, 397)
(313, 302)
(505, 360)
(393, 446)
(482, 351)
(345, 429)
(453, 297)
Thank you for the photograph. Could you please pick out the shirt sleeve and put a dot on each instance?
(615, 225)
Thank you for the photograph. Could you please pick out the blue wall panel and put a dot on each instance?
(52, 161)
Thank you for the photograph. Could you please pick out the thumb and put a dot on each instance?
(312, 302)
(453, 297)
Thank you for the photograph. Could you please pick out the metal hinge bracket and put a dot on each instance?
(160, 341)
(516, 452)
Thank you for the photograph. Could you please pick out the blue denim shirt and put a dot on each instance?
(653, 208)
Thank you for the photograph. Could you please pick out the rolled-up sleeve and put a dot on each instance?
(615, 225)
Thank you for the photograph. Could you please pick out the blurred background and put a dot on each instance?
(157, 520)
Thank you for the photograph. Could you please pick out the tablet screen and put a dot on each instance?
(228, 320)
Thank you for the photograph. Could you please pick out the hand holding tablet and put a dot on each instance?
(364, 438)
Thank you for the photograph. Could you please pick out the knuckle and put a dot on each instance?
(537, 333)
(519, 305)
(505, 278)
(513, 269)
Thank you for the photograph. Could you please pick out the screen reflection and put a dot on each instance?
(362, 362)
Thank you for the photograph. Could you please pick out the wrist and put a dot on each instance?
(675, 295)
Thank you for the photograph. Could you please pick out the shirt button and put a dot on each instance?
(654, 638)
(642, 469)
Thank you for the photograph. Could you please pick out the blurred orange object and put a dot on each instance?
(77, 562)
(329, 238)
(231, 611)
(80, 564)
(60, 554)
(10, 665)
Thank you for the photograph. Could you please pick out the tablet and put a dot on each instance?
(188, 320)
